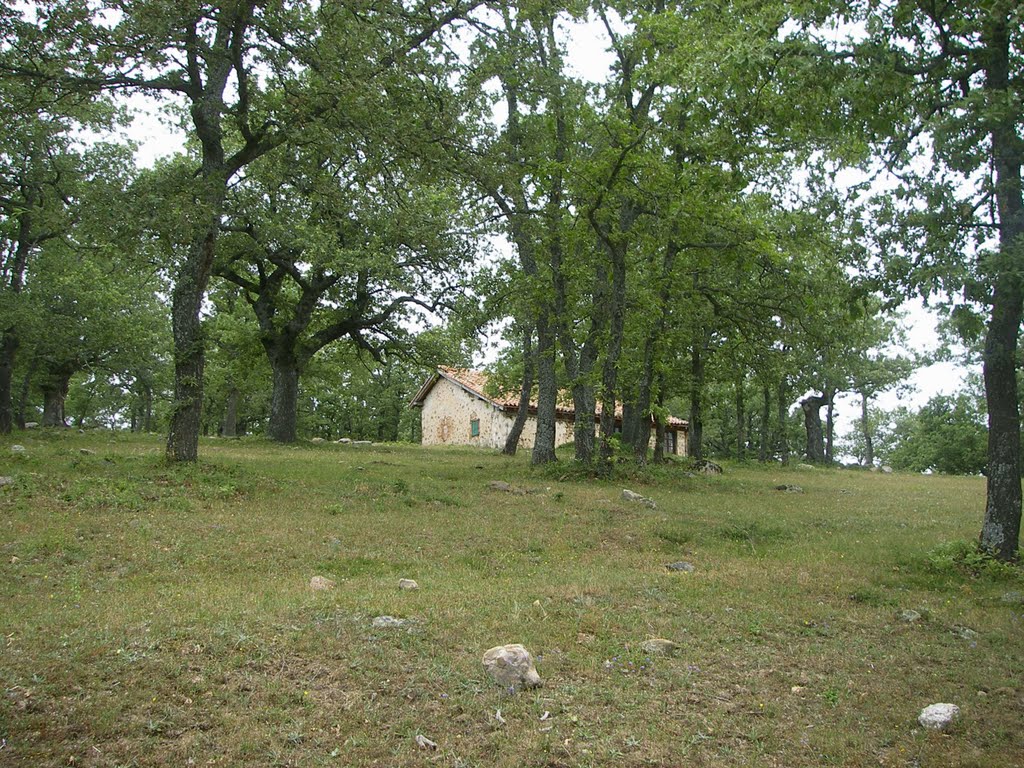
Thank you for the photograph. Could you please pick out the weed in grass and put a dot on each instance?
(754, 533)
(871, 596)
(675, 536)
(966, 558)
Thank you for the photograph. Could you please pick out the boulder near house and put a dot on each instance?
(458, 411)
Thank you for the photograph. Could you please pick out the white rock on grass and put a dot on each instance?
(659, 645)
(939, 717)
(17, 449)
(388, 622)
(636, 498)
(424, 743)
(682, 566)
(407, 584)
(320, 583)
(511, 666)
(908, 615)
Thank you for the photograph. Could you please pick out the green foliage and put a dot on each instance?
(946, 435)
(966, 558)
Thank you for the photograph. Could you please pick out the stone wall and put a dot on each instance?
(449, 411)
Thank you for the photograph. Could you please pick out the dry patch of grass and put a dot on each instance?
(154, 615)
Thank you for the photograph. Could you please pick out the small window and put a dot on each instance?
(474, 428)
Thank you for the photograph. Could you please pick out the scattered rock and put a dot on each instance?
(17, 449)
(320, 583)
(689, 475)
(32, 424)
(87, 451)
(511, 666)
(939, 717)
(362, 442)
(805, 466)
(317, 440)
(886, 470)
(706, 467)
(964, 633)
(908, 615)
(407, 584)
(789, 488)
(636, 498)
(388, 622)
(798, 689)
(659, 645)
(683, 566)
(6, 480)
(501, 485)
(424, 743)
(345, 440)
(1012, 598)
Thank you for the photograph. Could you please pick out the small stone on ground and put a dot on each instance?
(659, 645)
(320, 583)
(511, 666)
(424, 743)
(17, 449)
(939, 717)
(388, 622)
(964, 633)
(683, 566)
(407, 584)
(636, 498)
(501, 485)
(789, 488)
(908, 615)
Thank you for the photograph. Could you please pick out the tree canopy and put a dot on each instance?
(363, 187)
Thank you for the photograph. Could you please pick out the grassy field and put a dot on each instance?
(162, 616)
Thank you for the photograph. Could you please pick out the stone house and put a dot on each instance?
(456, 410)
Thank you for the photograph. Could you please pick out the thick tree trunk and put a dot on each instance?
(8, 351)
(766, 427)
(231, 413)
(55, 391)
(695, 436)
(630, 425)
(23, 395)
(525, 390)
(1001, 528)
(812, 406)
(547, 393)
(1000, 533)
(189, 352)
(783, 417)
(580, 366)
(284, 398)
(741, 416)
(865, 426)
(609, 373)
(830, 411)
(659, 423)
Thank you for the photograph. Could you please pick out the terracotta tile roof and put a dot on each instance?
(476, 383)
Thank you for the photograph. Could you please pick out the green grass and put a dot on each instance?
(154, 615)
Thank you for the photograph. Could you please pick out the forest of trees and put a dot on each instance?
(721, 227)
